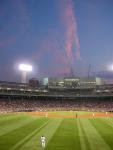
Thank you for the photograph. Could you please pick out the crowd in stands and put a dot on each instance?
(17, 105)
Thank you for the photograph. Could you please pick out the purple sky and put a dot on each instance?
(55, 35)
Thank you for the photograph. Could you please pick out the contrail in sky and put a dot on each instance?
(72, 39)
(56, 51)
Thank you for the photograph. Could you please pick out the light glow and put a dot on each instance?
(112, 67)
(25, 67)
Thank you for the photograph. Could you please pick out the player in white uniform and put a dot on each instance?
(43, 141)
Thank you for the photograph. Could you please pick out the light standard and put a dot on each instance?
(24, 68)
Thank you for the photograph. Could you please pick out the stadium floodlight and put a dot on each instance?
(24, 68)
(112, 67)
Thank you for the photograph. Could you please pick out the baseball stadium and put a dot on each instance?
(56, 74)
(71, 112)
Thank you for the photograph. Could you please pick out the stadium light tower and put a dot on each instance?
(24, 68)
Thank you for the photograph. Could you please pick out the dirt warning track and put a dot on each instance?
(76, 115)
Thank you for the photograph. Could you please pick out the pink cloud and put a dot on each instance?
(69, 21)
(60, 57)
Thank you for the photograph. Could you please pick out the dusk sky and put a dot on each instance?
(54, 36)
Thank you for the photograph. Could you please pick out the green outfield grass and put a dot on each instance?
(22, 131)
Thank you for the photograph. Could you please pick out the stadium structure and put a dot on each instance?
(66, 93)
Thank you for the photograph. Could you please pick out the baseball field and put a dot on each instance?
(63, 131)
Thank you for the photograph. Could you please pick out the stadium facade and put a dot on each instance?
(74, 81)
(58, 86)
